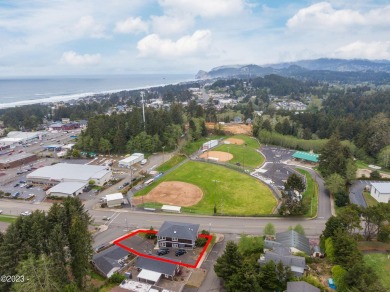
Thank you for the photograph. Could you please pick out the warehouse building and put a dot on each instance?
(16, 160)
(131, 160)
(66, 189)
(64, 172)
(16, 137)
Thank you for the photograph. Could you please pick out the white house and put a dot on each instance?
(380, 191)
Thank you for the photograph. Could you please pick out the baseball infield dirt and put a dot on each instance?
(235, 141)
(172, 193)
(220, 155)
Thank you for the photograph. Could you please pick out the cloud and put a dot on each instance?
(171, 25)
(74, 59)
(204, 8)
(189, 45)
(371, 50)
(131, 25)
(323, 16)
(87, 26)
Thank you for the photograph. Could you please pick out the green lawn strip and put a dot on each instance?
(369, 199)
(244, 155)
(192, 147)
(362, 164)
(175, 160)
(249, 141)
(311, 193)
(151, 205)
(235, 193)
(212, 242)
(381, 265)
(7, 218)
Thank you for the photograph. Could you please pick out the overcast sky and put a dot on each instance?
(58, 37)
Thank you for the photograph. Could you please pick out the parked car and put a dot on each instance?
(26, 213)
(100, 247)
(162, 251)
(180, 252)
(1, 211)
(29, 186)
(126, 184)
(16, 185)
(105, 218)
(15, 195)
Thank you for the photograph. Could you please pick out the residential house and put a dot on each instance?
(301, 286)
(291, 239)
(283, 254)
(110, 260)
(177, 235)
(152, 270)
(380, 191)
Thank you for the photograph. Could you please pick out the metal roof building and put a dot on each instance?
(312, 157)
(294, 240)
(64, 172)
(65, 189)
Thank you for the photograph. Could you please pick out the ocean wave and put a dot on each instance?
(68, 97)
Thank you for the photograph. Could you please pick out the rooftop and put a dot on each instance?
(15, 157)
(155, 266)
(382, 187)
(107, 261)
(301, 286)
(306, 156)
(65, 171)
(67, 187)
(292, 238)
(179, 230)
(115, 196)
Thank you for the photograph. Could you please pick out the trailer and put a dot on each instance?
(131, 160)
(209, 144)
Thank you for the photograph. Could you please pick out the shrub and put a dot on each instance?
(338, 273)
(116, 278)
(201, 241)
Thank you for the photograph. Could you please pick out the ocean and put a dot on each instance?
(22, 91)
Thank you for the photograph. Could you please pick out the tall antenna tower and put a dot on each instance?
(143, 109)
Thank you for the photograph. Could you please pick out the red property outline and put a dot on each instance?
(117, 242)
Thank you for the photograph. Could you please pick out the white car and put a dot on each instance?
(26, 213)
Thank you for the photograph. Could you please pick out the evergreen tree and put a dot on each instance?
(229, 263)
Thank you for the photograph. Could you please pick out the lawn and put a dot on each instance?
(7, 218)
(381, 265)
(175, 160)
(245, 155)
(369, 199)
(234, 193)
(310, 196)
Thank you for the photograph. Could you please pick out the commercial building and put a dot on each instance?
(131, 160)
(64, 172)
(16, 137)
(16, 160)
(380, 191)
(306, 156)
(114, 200)
(66, 189)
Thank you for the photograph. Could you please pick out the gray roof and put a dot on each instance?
(271, 244)
(107, 260)
(15, 157)
(67, 171)
(155, 266)
(382, 187)
(301, 286)
(179, 230)
(67, 187)
(292, 238)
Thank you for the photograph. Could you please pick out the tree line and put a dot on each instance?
(51, 251)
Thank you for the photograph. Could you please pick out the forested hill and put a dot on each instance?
(329, 70)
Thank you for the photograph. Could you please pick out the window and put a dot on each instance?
(162, 238)
(174, 238)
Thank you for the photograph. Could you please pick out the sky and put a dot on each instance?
(65, 37)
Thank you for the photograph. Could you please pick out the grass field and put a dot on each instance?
(250, 142)
(7, 218)
(234, 193)
(381, 265)
(175, 160)
(369, 199)
(310, 196)
(244, 155)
